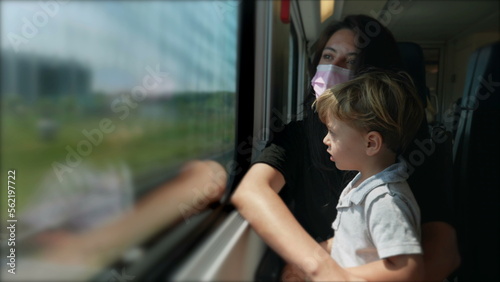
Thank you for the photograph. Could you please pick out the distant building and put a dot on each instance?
(32, 77)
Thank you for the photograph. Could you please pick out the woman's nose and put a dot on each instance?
(340, 62)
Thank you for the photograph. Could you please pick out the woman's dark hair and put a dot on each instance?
(375, 43)
(376, 47)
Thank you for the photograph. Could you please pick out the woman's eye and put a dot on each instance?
(351, 60)
(327, 56)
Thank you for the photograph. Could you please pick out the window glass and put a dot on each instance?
(101, 99)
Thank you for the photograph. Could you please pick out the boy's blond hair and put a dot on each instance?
(382, 101)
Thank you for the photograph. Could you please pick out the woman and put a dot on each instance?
(296, 157)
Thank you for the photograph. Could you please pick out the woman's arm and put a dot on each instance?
(441, 256)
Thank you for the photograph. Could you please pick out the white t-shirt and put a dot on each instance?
(380, 218)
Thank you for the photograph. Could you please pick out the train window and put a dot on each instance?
(101, 101)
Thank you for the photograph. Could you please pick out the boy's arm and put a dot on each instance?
(396, 268)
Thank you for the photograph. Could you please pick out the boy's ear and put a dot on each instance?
(374, 142)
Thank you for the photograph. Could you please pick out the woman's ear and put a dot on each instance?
(374, 142)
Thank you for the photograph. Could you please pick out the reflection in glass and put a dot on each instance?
(101, 99)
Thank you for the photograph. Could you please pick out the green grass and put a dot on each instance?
(142, 144)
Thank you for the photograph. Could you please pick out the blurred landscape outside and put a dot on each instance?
(99, 96)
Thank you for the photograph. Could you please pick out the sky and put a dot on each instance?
(190, 44)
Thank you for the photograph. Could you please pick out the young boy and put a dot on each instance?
(370, 121)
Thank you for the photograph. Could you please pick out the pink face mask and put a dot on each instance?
(327, 76)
